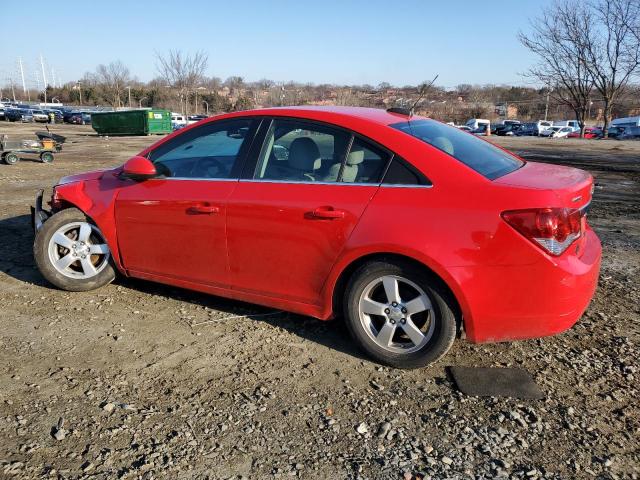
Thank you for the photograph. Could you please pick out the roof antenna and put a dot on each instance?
(422, 90)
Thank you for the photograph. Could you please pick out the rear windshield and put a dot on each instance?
(477, 154)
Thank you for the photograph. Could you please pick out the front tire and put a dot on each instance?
(71, 252)
(46, 157)
(11, 158)
(399, 314)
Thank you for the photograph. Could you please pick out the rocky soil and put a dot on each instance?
(139, 380)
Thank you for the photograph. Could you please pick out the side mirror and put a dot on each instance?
(138, 168)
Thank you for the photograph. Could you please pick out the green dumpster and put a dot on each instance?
(132, 122)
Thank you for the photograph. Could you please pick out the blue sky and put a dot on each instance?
(350, 42)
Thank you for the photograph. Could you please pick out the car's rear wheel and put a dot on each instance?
(399, 314)
(72, 253)
(46, 157)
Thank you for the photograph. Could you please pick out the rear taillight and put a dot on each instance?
(553, 229)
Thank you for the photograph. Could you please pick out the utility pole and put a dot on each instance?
(79, 85)
(13, 91)
(24, 85)
(129, 88)
(53, 78)
(44, 78)
(546, 107)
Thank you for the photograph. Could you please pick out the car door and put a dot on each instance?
(290, 218)
(174, 225)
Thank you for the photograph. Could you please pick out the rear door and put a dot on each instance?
(174, 226)
(296, 206)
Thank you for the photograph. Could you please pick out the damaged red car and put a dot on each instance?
(411, 230)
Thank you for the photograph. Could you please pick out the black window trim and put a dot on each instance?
(241, 159)
(260, 139)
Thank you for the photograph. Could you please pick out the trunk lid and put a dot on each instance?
(572, 186)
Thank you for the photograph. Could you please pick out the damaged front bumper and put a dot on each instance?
(38, 214)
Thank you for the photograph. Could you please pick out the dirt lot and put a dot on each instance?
(158, 382)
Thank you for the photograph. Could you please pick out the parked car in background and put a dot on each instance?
(478, 123)
(508, 129)
(615, 132)
(589, 132)
(502, 247)
(13, 114)
(557, 132)
(80, 118)
(26, 116)
(630, 133)
(2, 113)
(195, 118)
(40, 116)
(464, 128)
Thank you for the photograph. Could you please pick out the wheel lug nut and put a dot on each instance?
(404, 310)
(387, 311)
(394, 304)
(403, 321)
(393, 322)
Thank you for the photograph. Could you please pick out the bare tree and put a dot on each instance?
(613, 50)
(182, 72)
(557, 39)
(113, 78)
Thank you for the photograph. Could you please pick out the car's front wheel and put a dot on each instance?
(72, 253)
(399, 314)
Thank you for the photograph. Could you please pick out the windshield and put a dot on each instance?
(481, 156)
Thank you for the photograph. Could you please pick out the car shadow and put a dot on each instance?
(16, 240)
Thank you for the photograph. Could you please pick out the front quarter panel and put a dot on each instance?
(96, 198)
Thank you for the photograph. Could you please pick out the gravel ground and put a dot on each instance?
(139, 380)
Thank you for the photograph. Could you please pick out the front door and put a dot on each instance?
(174, 226)
(287, 224)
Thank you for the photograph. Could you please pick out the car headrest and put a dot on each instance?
(355, 157)
(444, 144)
(304, 155)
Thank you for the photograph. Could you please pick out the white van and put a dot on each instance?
(568, 123)
(476, 123)
(178, 120)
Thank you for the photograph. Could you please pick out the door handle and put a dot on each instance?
(203, 209)
(327, 212)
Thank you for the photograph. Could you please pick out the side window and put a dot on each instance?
(301, 151)
(364, 163)
(401, 173)
(210, 151)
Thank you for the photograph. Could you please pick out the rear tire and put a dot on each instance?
(399, 314)
(72, 254)
(46, 157)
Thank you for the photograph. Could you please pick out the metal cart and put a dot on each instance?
(45, 146)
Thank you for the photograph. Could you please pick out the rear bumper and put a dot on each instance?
(538, 300)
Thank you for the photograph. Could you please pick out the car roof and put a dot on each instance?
(375, 115)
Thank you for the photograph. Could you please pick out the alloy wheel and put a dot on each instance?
(396, 314)
(78, 250)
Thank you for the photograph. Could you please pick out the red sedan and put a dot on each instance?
(588, 133)
(412, 230)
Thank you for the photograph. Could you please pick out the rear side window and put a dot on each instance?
(401, 173)
(481, 156)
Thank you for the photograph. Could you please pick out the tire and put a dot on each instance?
(11, 158)
(79, 263)
(46, 157)
(436, 322)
